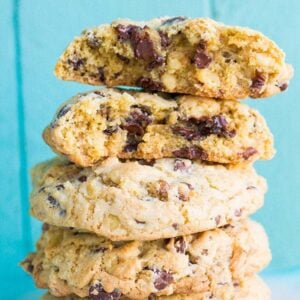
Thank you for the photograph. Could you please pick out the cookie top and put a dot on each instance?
(178, 55)
(135, 201)
(69, 262)
(128, 124)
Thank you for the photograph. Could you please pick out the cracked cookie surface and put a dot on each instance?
(178, 55)
(111, 122)
(138, 200)
(214, 262)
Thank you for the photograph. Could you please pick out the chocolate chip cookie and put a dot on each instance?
(178, 55)
(124, 124)
(214, 262)
(140, 200)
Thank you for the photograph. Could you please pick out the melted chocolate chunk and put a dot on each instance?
(196, 129)
(192, 152)
(110, 130)
(174, 20)
(162, 279)
(201, 59)
(164, 39)
(258, 81)
(250, 151)
(75, 62)
(96, 292)
(135, 125)
(180, 245)
(148, 84)
(141, 43)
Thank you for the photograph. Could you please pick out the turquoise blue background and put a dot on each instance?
(33, 34)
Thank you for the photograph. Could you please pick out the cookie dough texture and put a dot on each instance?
(111, 122)
(69, 262)
(250, 289)
(178, 55)
(133, 201)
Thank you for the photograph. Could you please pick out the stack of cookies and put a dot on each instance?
(151, 194)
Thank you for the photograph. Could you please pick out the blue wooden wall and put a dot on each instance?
(33, 33)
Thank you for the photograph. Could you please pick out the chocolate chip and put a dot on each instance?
(75, 62)
(171, 21)
(45, 227)
(144, 162)
(162, 191)
(60, 187)
(250, 151)
(180, 245)
(139, 222)
(283, 87)
(53, 202)
(92, 40)
(96, 292)
(251, 187)
(151, 297)
(157, 62)
(123, 58)
(204, 252)
(258, 81)
(162, 279)
(62, 212)
(99, 93)
(98, 249)
(82, 178)
(238, 212)
(104, 111)
(101, 75)
(148, 84)
(28, 265)
(110, 130)
(218, 220)
(63, 111)
(175, 226)
(164, 39)
(201, 59)
(179, 165)
(192, 152)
